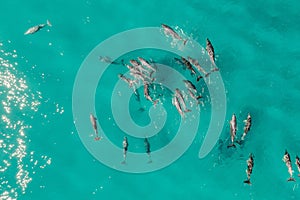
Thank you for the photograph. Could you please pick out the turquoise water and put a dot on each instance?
(257, 47)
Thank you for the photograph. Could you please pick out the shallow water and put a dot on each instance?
(257, 49)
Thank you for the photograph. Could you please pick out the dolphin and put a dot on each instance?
(189, 66)
(146, 64)
(125, 148)
(169, 31)
(287, 159)
(126, 80)
(232, 130)
(210, 50)
(179, 95)
(143, 77)
(147, 148)
(36, 28)
(139, 67)
(298, 164)
(94, 124)
(177, 105)
(147, 95)
(250, 164)
(192, 94)
(198, 66)
(109, 60)
(189, 85)
(247, 126)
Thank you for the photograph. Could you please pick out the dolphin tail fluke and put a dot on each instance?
(291, 179)
(155, 102)
(97, 135)
(187, 110)
(185, 41)
(49, 23)
(248, 181)
(231, 145)
(97, 138)
(240, 142)
(199, 77)
(243, 136)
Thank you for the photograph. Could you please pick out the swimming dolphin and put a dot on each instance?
(189, 66)
(94, 124)
(131, 68)
(247, 126)
(298, 164)
(232, 130)
(126, 80)
(36, 28)
(146, 64)
(169, 31)
(147, 94)
(179, 95)
(192, 90)
(177, 105)
(287, 160)
(107, 59)
(147, 148)
(141, 76)
(193, 95)
(125, 148)
(250, 164)
(210, 50)
(139, 68)
(197, 65)
(190, 85)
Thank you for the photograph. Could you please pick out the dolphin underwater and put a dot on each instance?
(189, 66)
(93, 120)
(146, 64)
(192, 90)
(147, 94)
(250, 164)
(169, 31)
(179, 95)
(298, 164)
(36, 28)
(107, 59)
(232, 130)
(147, 148)
(125, 148)
(247, 126)
(210, 50)
(126, 80)
(198, 66)
(176, 103)
(287, 159)
(190, 85)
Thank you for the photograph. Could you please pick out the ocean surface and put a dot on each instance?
(42, 155)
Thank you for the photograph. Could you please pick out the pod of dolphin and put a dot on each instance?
(143, 71)
(250, 161)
